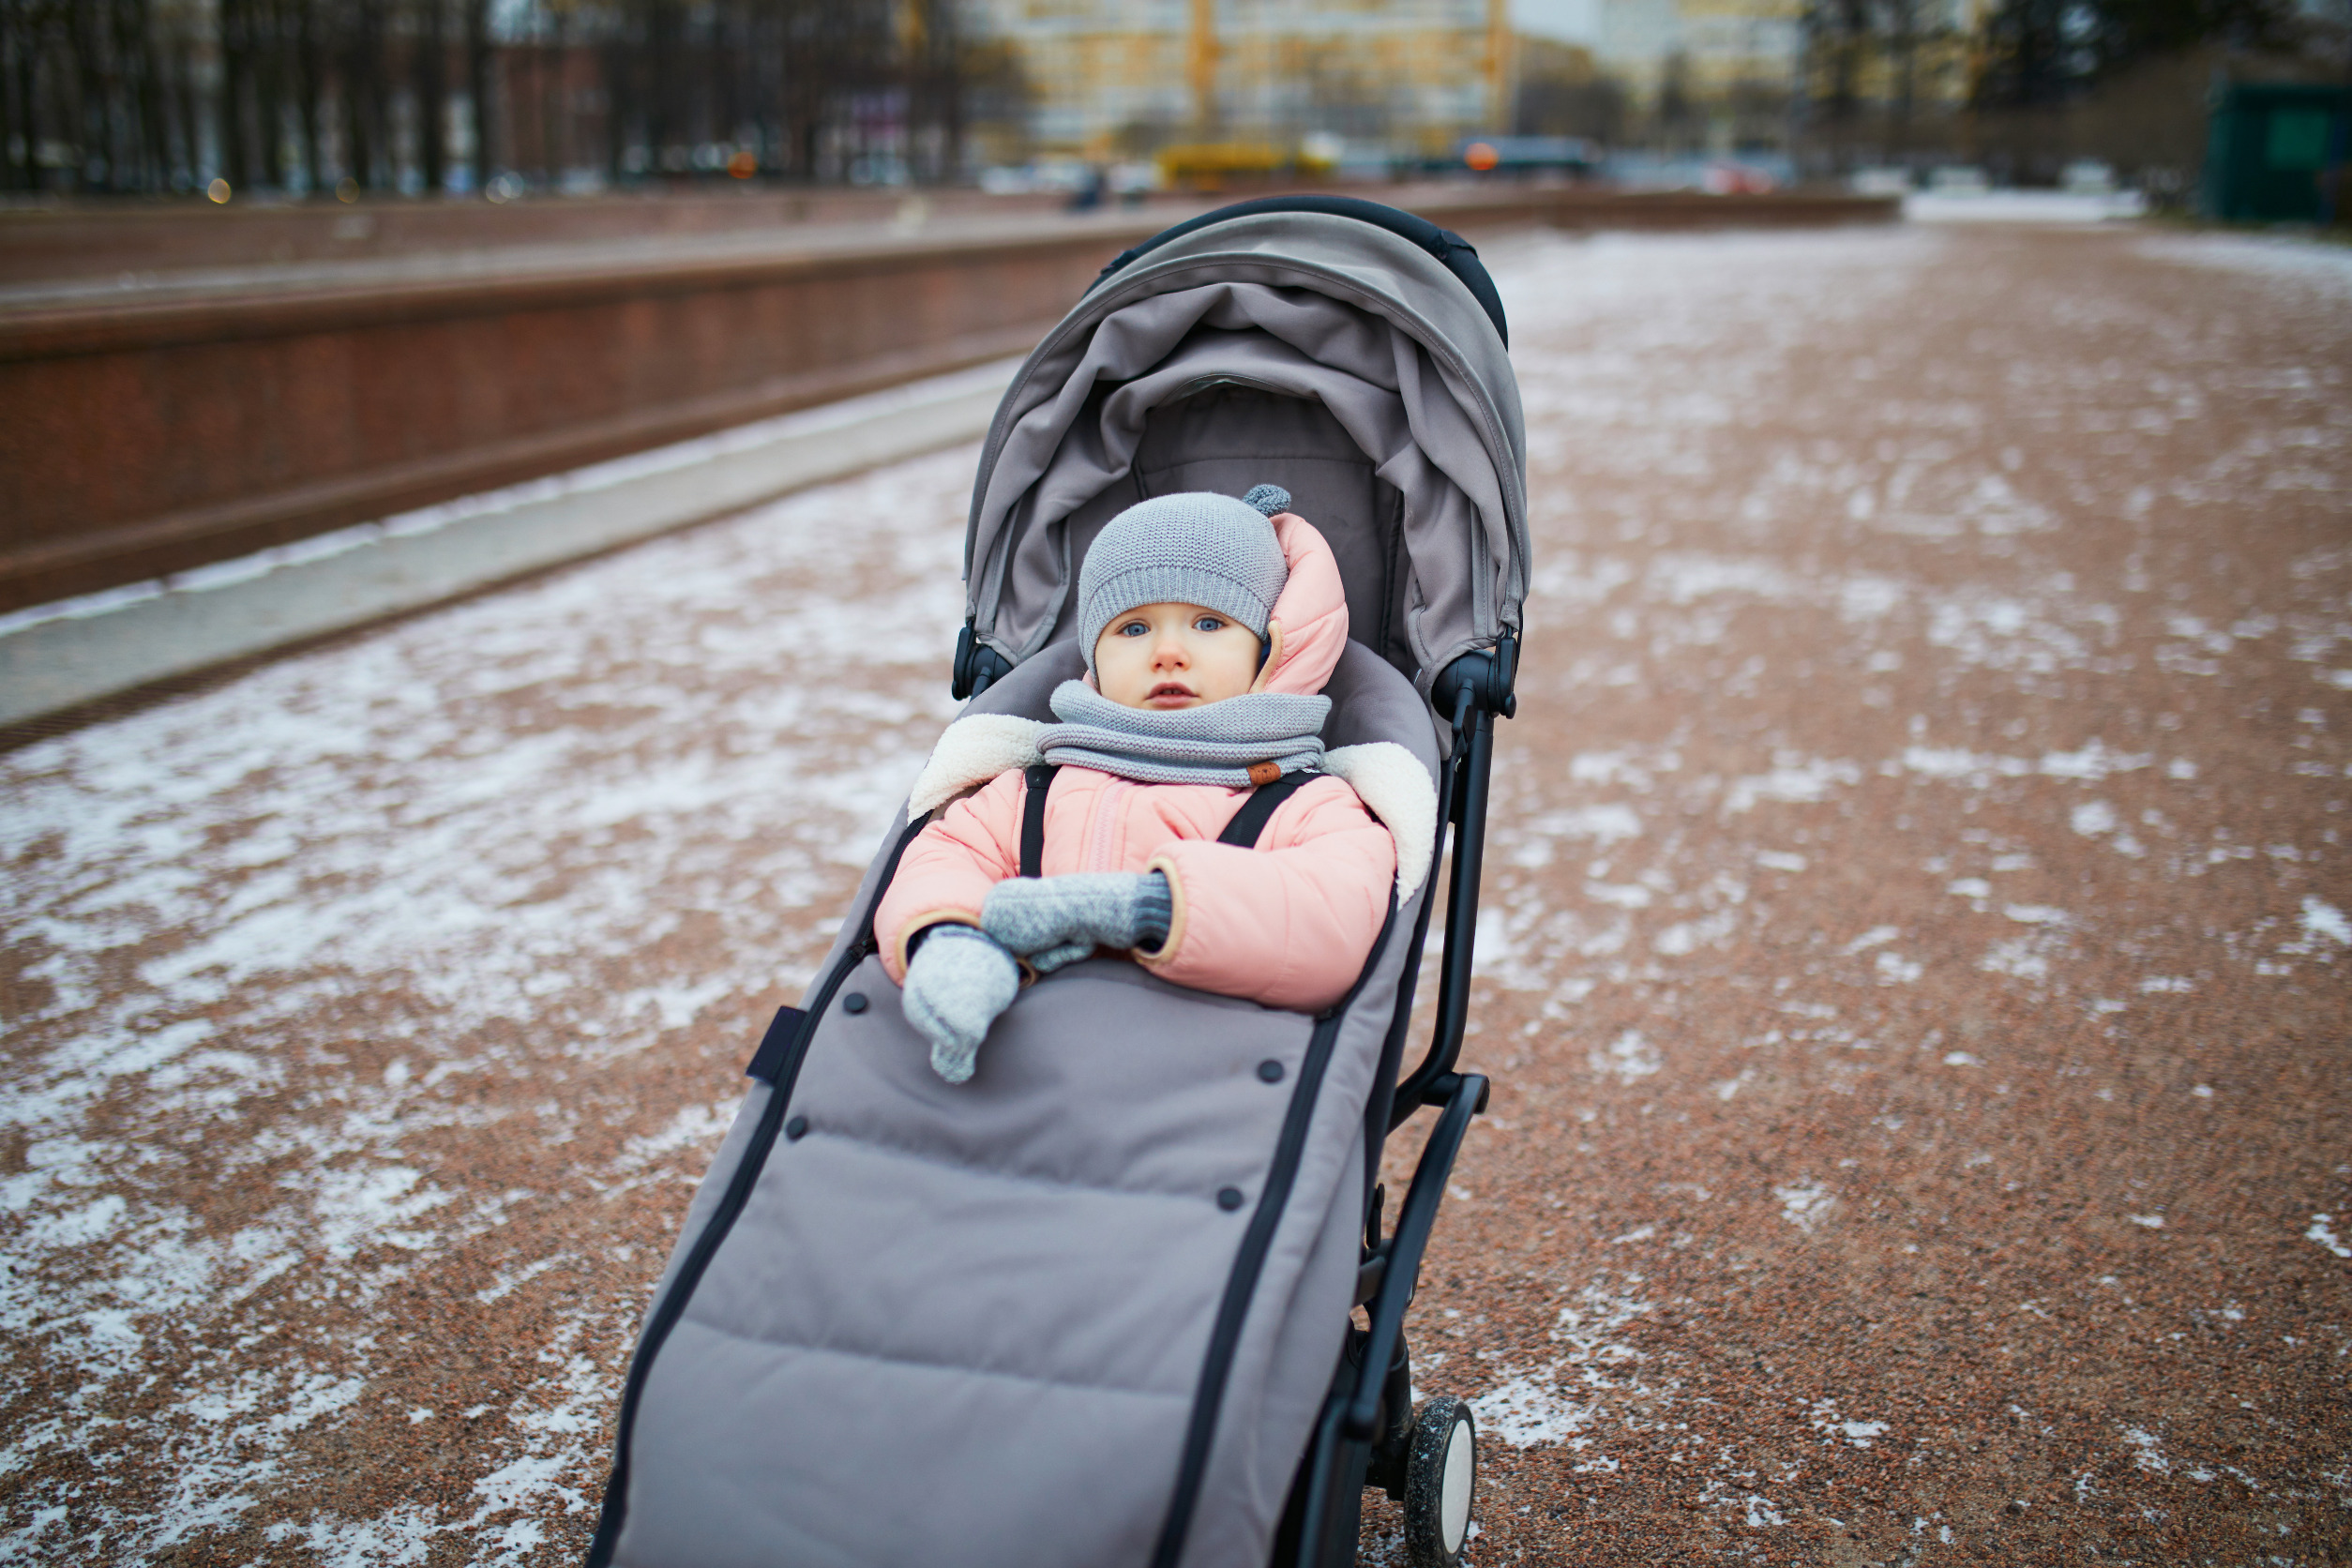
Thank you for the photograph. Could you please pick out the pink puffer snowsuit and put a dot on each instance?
(1287, 924)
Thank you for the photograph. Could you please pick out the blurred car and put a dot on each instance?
(1727, 178)
(2088, 177)
(1209, 165)
(1747, 174)
(1059, 176)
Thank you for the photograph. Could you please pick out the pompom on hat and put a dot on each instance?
(1194, 547)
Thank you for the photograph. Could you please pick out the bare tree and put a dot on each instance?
(269, 89)
(616, 58)
(367, 117)
(1911, 28)
(477, 86)
(113, 96)
(86, 49)
(188, 106)
(552, 87)
(19, 52)
(1840, 39)
(237, 71)
(2031, 55)
(432, 94)
(1677, 110)
(309, 93)
(1564, 92)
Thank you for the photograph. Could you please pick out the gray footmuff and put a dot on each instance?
(1088, 1308)
(1081, 1310)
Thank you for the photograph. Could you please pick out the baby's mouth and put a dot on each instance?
(1170, 694)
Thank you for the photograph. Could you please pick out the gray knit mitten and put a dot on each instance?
(958, 982)
(1052, 921)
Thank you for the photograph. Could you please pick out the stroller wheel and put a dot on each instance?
(1440, 1473)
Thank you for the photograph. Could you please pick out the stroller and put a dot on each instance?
(1096, 1306)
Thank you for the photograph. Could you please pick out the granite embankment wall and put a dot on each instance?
(190, 417)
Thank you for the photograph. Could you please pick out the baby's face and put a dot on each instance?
(1175, 655)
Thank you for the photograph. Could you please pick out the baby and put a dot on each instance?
(1209, 626)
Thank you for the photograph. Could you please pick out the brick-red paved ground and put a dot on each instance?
(1914, 974)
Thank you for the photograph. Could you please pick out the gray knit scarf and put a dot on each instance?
(1216, 743)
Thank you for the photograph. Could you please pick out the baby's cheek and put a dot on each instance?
(1236, 669)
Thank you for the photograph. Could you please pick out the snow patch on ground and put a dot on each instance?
(2323, 919)
(1592, 1373)
(2308, 262)
(1836, 1426)
(1790, 778)
(1806, 1204)
(202, 889)
(1628, 1057)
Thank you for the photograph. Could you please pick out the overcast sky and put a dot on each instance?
(1576, 21)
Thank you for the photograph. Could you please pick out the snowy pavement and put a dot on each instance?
(1914, 973)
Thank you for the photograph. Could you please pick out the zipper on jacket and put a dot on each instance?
(1102, 833)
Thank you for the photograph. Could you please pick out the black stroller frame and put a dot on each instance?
(1364, 1436)
(1366, 1431)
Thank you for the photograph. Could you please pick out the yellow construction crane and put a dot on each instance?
(1200, 67)
(1498, 66)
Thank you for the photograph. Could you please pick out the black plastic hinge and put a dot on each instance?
(1488, 675)
(769, 1059)
(976, 666)
(1370, 1272)
(1445, 1085)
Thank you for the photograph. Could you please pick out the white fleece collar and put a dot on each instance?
(970, 752)
(1388, 779)
(1396, 787)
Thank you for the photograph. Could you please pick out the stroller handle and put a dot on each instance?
(1458, 255)
(1481, 685)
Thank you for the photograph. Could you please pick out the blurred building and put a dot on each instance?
(1125, 78)
(1709, 45)
(1727, 76)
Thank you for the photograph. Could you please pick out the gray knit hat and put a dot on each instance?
(1197, 548)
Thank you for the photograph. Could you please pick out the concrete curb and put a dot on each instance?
(62, 656)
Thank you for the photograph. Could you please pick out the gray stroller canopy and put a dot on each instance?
(1273, 347)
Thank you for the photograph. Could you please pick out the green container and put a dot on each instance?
(2275, 154)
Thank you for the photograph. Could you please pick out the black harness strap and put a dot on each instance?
(1039, 776)
(1250, 820)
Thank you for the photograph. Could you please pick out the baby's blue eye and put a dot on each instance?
(1208, 623)
(1134, 628)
